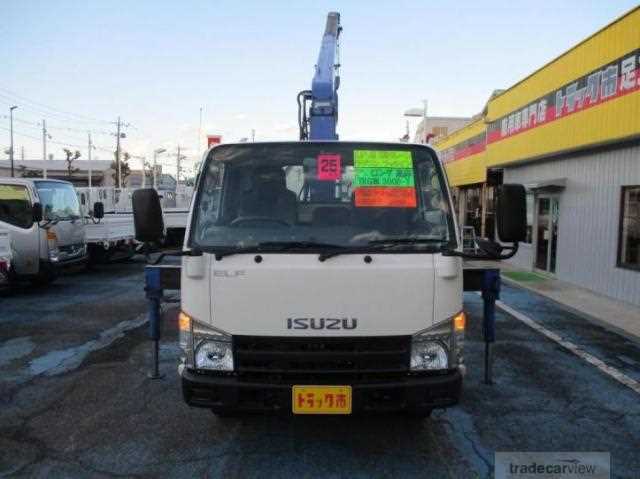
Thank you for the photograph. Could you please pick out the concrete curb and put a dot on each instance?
(588, 317)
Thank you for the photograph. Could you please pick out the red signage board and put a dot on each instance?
(329, 167)
(384, 197)
(213, 140)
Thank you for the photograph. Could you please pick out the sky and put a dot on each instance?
(79, 65)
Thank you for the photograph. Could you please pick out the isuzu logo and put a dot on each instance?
(322, 323)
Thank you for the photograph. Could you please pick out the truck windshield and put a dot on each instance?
(59, 200)
(322, 195)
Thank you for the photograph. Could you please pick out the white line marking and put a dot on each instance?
(590, 358)
(62, 361)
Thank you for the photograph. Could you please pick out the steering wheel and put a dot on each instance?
(247, 219)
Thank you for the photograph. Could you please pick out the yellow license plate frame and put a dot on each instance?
(321, 399)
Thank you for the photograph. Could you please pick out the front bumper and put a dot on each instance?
(228, 393)
(68, 255)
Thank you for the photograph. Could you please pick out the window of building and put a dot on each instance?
(473, 209)
(490, 213)
(530, 207)
(440, 131)
(629, 241)
(15, 206)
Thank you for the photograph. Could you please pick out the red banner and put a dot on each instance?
(384, 197)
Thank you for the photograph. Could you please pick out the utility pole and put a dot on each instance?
(90, 146)
(22, 153)
(156, 152)
(424, 123)
(11, 147)
(44, 148)
(178, 169)
(118, 168)
(253, 134)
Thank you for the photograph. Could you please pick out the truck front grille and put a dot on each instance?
(322, 359)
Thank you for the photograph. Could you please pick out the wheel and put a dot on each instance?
(97, 255)
(46, 275)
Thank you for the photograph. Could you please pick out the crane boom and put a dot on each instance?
(319, 121)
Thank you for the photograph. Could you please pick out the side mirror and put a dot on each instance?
(36, 212)
(98, 210)
(147, 215)
(511, 213)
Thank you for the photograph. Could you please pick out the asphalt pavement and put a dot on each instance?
(75, 400)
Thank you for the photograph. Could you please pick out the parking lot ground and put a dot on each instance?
(96, 414)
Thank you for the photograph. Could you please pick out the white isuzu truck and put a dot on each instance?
(321, 278)
(46, 228)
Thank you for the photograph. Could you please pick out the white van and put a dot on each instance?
(46, 228)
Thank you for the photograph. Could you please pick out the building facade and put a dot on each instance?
(439, 127)
(570, 132)
(101, 172)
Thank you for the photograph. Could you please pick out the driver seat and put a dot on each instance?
(269, 196)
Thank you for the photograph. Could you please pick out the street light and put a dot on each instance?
(11, 130)
(155, 160)
(423, 113)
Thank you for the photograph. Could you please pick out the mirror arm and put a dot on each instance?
(179, 253)
(512, 250)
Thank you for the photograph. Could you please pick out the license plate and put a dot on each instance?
(321, 399)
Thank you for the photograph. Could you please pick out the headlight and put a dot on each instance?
(214, 355)
(203, 346)
(428, 355)
(439, 347)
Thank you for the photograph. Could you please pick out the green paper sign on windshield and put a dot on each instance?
(400, 177)
(382, 159)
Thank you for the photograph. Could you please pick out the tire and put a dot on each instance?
(98, 255)
(46, 275)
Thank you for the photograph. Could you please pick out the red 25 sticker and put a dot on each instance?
(329, 167)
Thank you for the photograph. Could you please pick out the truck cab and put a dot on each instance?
(46, 227)
(321, 278)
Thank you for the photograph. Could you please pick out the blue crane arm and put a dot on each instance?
(323, 112)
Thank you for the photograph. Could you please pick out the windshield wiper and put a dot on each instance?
(286, 245)
(397, 241)
(380, 244)
(271, 246)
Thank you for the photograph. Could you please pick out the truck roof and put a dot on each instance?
(29, 181)
(306, 142)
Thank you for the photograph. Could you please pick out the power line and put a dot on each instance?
(63, 143)
(38, 126)
(9, 94)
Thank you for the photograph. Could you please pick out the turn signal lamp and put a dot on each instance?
(459, 322)
(184, 322)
